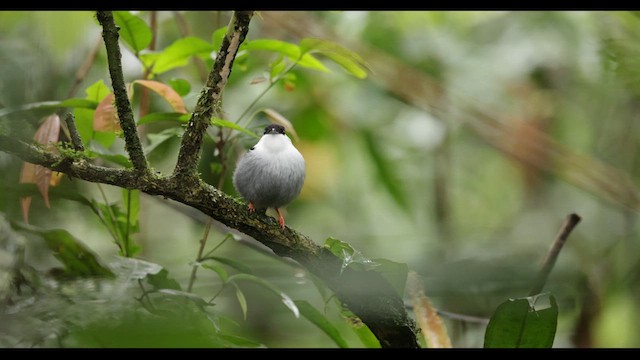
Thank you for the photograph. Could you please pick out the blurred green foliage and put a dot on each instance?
(472, 212)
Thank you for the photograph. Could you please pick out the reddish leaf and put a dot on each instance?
(47, 134)
(167, 92)
(105, 117)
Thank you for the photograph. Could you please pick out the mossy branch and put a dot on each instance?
(366, 293)
(125, 113)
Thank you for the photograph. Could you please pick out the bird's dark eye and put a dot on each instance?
(252, 148)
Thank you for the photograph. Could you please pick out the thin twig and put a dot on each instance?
(76, 141)
(125, 114)
(85, 67)
(570, 222)
(194, 270)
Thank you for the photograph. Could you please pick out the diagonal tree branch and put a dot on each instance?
(210, 101)
(366, 293)
(125, 114)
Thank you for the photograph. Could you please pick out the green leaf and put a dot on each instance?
(319, 320)
(290, 50)
(385, 171)
(222, 273)
(349, 256)
(134, 31)
(79, 103)
(118, 159)
(286, 300)
(277, 67)
(240, 341)
(523, 323)
(218, 36)
(347, 59)
(96, 92)
(160, 138)
(395, 273)
(161, 280)
(228, 124)
(164, 116)
(134, 269)
(241, 300)
(177, 54)
(368, 339)
(77, 259)
(181, 86)
(233, 263)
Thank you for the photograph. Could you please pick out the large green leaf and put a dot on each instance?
(160, 138)
(230, 262)
(228, 124)
(286, 300)
(292, 51)
(523, 323)
(347, 59)
(319, 320)
(395, 273)
(177, 54)
(77, 259)
(134, 31)
(161, 280)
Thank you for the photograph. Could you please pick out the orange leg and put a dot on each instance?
(280, 219)
(251, 208)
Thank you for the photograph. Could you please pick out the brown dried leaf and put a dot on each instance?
(167, 92)
(277, 118)
(433, 329)
(105, 117)
(47, 134)
(258, 80)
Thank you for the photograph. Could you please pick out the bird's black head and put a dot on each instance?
(274, 129)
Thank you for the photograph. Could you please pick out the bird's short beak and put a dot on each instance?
(273, 131)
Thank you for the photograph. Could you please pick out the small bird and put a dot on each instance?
(271, 173)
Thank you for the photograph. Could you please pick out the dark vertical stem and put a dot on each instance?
(571, 221)
(125, 114)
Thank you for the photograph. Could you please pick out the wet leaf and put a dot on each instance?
(319, 320)
(433, 329)
(134, 269)
(166, 92)
(286, 300)
(105, 117)
(277, 118)
(161, 280)
(77, 259)
(133, 30)
(523, 323)
(349, 256)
